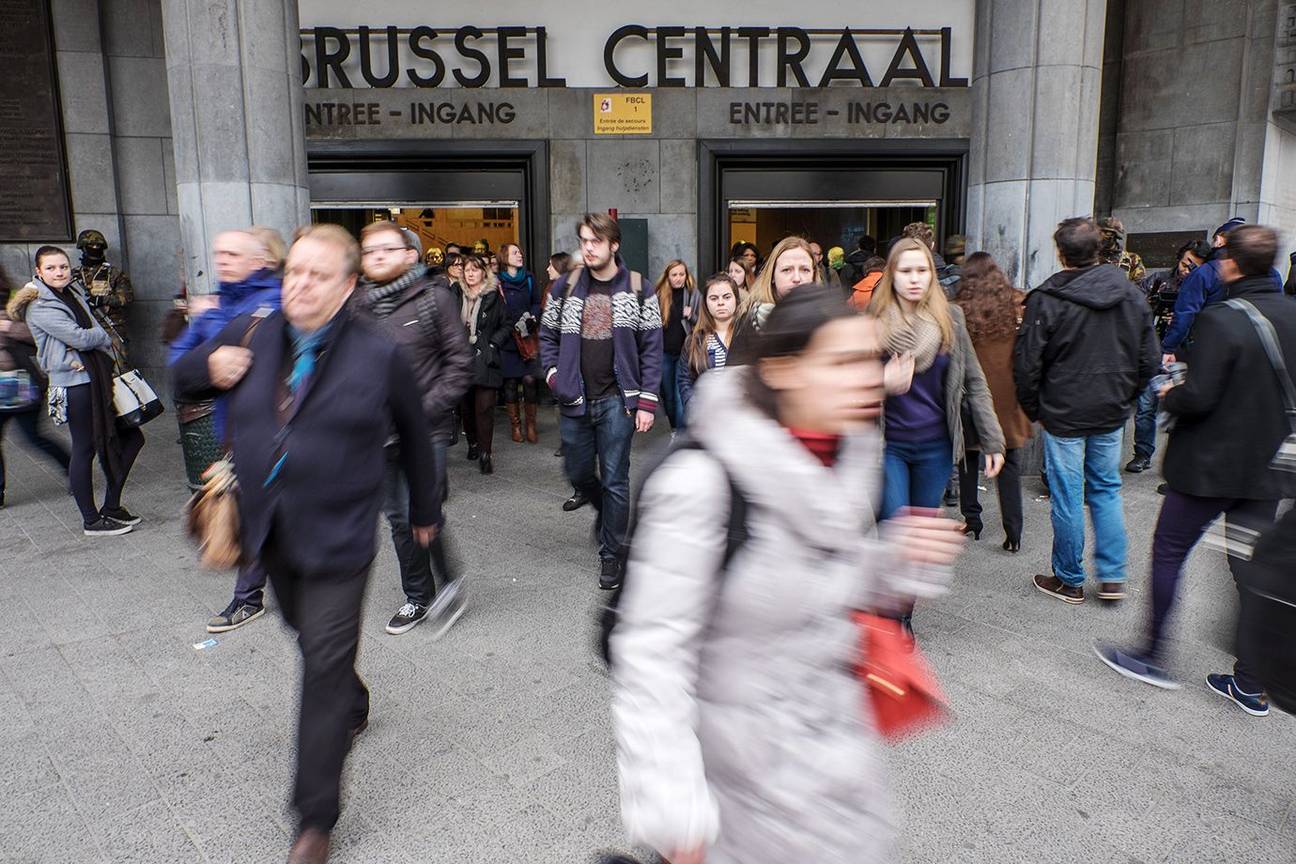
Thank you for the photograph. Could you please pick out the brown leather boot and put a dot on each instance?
(311, 847)
(532, 434)
(514, 422)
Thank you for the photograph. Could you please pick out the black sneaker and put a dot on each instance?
(406, 618)
(236, 614)
(473, 452)
(610, 574)
(575, 502)
(120, 514)
(1162, 488)
(105, 527)
(1138, 464)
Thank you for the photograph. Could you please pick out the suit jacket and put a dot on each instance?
(321, 505)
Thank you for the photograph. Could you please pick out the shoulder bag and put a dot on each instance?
(211, 516)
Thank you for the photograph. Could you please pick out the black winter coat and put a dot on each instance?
(437, 350)
(493, 329)
(1230, 411)
(322, 504)
(1085, 350)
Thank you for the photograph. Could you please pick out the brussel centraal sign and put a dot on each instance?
(633, 55)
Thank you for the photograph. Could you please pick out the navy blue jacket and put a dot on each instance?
(1202, 288)
(322, 505)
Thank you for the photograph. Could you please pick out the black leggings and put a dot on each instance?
(530, 389)
(478, 410)
(80, 415)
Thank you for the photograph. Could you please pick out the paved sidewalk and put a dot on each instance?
(121, 742)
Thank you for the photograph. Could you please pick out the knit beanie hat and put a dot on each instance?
(1235, 222)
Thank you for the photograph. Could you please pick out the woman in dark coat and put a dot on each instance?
(992, 308)
(522, 297)
(485, 316)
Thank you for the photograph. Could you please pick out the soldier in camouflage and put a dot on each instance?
(105, 286)
(1113, 249)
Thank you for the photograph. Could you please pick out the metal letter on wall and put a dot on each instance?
(34, 203)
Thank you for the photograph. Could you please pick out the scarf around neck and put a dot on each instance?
(381, 298)
(916, 334)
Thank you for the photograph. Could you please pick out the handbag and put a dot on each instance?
(528, 346)
(134, 400)
(904, 695)
(1285, 458)
(211, 514)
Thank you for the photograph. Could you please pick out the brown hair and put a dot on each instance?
(666, 294)
(695, 347)
(503, 255)
(378, 227)
(46, 251)
(333, 235)
(749, 275)
(603, 226)
(990, 303)
(933, 301)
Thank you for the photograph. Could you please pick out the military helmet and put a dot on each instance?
(1113, 238)
(481, 247)
(91, 237)
(435, 256)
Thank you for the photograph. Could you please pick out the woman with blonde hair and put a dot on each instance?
(276, 250)
(790, 264)
(933, 372)
(678, 296)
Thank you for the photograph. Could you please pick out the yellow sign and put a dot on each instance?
(622, 113)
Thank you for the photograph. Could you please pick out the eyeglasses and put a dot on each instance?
(374, 250)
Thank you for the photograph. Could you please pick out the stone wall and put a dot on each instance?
(112, 81)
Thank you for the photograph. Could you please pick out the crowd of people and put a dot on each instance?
(822, 406)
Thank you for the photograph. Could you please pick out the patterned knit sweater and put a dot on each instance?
(636, 340)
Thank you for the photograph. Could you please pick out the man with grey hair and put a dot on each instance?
(418, 313)
(313, 396)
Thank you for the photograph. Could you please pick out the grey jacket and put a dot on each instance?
(740, 724)
(966, 383)
(59, 338)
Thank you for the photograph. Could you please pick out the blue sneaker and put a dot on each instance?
(1254, 704)
(1135, 666)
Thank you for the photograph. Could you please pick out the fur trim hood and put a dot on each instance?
(21, 299)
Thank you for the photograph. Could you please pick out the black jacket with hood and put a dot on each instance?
(1085, 350)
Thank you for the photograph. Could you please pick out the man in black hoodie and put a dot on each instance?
(1085, 351)
(1231, 418)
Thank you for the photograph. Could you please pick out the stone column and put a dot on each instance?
(1035, 87)
(234, 75)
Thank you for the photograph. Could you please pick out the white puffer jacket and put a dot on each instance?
(739, 722)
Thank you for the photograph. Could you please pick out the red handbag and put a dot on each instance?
(903, 692)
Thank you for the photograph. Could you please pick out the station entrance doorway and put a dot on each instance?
(445, 192)
(830, 192)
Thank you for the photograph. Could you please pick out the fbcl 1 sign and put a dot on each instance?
(622, 113)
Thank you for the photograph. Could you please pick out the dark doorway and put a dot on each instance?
(829, 191)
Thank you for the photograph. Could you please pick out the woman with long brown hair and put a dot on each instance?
(790, 264)
(678, 296)
(522, 298)
(708, 345)
(743, 278)
(992, 308)
(934, 371)
(485, 317)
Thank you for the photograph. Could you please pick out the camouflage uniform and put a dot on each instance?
(1113, 249)
(106, 287)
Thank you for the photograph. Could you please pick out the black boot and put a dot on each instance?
(485, 463)
(473, 451)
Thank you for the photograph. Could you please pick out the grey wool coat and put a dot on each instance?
(740, 724)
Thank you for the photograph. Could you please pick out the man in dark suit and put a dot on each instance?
(1230, 420)
(313, 395)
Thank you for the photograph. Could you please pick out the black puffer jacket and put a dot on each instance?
(1230, 411)
(1085, 350)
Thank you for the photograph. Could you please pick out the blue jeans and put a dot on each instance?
(602, 436)
(672, 402)
(1080, 470)
(915, 474)
(1145, 423)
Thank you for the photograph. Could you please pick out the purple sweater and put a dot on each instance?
(636, 341)
(918, 415)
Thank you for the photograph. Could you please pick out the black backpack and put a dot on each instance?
(735, 537)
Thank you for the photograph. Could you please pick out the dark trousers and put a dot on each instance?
(418, 565)
(80, 415)
(602, 436)
(1010, 493)
(28, 422)
(478, 410)
(324, 610)
(1180, 525)
(249, 588)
